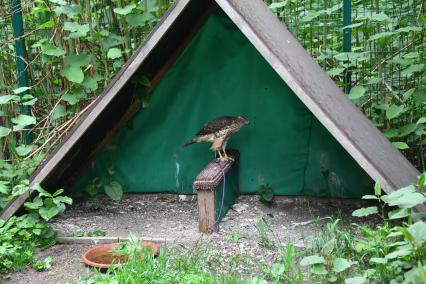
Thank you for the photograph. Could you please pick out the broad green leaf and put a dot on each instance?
(356, 92)
(400, 145)
(23, 150)
(379, 17)
(401, 251)
(408, 94)
(277, 5)
(4, 131)
(409, 29)
(73, 73)
(58, 192)
(8, 98)
(398, 214)
(24, 120)
(47, 25)
(353, 25)
(76, 29)
(126, 10)
(335, 71)
(41, 191)
(79, 60)
(21, 90)
(74, 98)
(277, 269)
(141, 20)
(412, 69)
(362, 212)
(390, 133)
(318, 269)
(419, 96)
(356, 280)
(36, 204)
(418, 231)
(407, 129)
(421, 120)
(62, 199)
(4, 187)
(370, 197)
(312, 259)
(60, 2)
(114, 53)
(58, 112)
(48, 213)
(90, 84)
(378, 260)
(394, 111)
(114, 190)
(51, 50)
(72, 11)
(406, 197)
(341, 264)
(19, 189)
(421, 181)
(381, 35)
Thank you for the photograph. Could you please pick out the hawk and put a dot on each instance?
(218, 131)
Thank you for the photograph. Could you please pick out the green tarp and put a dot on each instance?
(221, 73)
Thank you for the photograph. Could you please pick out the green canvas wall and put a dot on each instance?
(221, 73)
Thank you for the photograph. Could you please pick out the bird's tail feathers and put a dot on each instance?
(189, 142)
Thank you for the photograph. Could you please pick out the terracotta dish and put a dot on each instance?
(102, 256)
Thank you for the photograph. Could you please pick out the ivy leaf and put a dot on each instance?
(126, 10)
(356, 92)
(79, 60)
(24, 120)
(408, 72)
(51, 50)
(139, 20)
(362, 212)
(341, 264)
(400, 145)
(114, 53)
(73, 73)
(394, 111)
(23, 150)
(312, 259)
(4, 131)
(48, 213)
(114, 190)
(8, 98)
(62, 199)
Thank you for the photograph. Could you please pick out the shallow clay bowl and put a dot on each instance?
(102, 256)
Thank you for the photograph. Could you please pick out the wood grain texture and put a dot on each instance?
(206, 211)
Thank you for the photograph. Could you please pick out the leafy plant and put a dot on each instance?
(44, 264)
(266, 193)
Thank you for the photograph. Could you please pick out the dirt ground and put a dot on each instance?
(172, 220)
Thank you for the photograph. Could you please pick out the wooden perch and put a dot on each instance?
(208, 184)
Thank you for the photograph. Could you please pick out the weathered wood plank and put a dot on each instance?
(206, 211)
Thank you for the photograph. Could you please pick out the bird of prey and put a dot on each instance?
(218, 131)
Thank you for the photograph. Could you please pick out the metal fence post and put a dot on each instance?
(18, 32)
(347, 20)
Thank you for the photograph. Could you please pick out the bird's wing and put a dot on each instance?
(216, 124)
